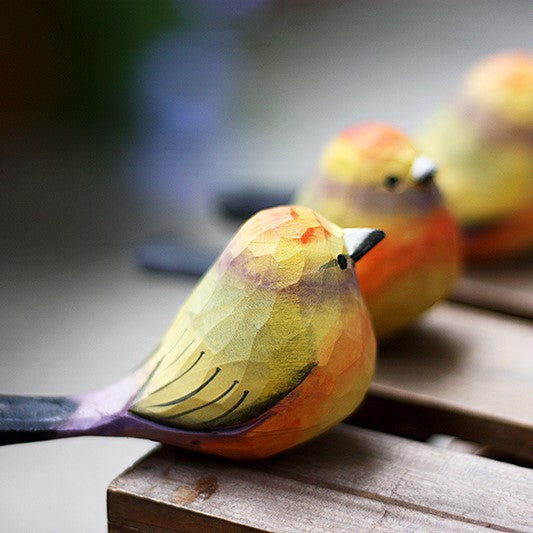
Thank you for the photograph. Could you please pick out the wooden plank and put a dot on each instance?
(350, 479)
(504, 288)
(461, 371)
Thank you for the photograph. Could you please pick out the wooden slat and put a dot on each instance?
(508, 288)
(461, 371)
(350, 479)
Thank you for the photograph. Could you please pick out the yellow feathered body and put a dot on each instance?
(275, 332)
(483, 144)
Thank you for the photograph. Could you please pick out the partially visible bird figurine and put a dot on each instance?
(373, 174)
(273, 347)
(483, 144)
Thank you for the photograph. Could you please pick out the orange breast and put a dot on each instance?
(430, 242)
(414, 267)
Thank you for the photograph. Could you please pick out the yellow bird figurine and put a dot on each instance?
(274, 335)
(372, 175)
(483, 144)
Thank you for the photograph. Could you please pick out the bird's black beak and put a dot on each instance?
(359, 241)
(423, 170)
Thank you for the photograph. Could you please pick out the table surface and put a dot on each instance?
(350, 479)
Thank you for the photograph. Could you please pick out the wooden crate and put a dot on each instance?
(462, 371)
(465, 371)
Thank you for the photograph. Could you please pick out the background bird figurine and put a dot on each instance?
(373, 174)
(483, 144)
(273, 347)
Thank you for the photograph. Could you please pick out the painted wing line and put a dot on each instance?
(230, 410)
(180, 376)
(177, 358)
(190, 394)
(158, 364)
(227, 391)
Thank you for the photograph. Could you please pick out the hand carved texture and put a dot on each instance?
(270, 311)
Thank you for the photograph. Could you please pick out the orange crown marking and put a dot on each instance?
(375, 136)
(304, 225)
(313, 234)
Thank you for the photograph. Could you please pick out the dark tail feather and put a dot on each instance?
(33, 418)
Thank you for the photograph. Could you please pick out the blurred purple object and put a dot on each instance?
(186, 87)
(188, 92)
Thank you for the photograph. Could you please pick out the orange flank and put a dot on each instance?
(411, 270)
(401, 253)
(509, 238)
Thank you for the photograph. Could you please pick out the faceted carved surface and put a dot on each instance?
(367, 178)
(483, 142)
(275, 329)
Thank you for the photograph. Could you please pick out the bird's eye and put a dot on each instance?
(342, 261)
(391, 182)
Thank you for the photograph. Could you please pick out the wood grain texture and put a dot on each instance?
(507, 289)
(461, 371)
(350, 479)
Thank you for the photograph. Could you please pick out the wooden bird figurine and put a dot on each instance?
(373, 174)
(273, 347)
(483, 144)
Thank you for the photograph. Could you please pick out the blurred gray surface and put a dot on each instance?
(73, 325)
(77, 314)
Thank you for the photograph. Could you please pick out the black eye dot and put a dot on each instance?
(391, 182)
(342, 261)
